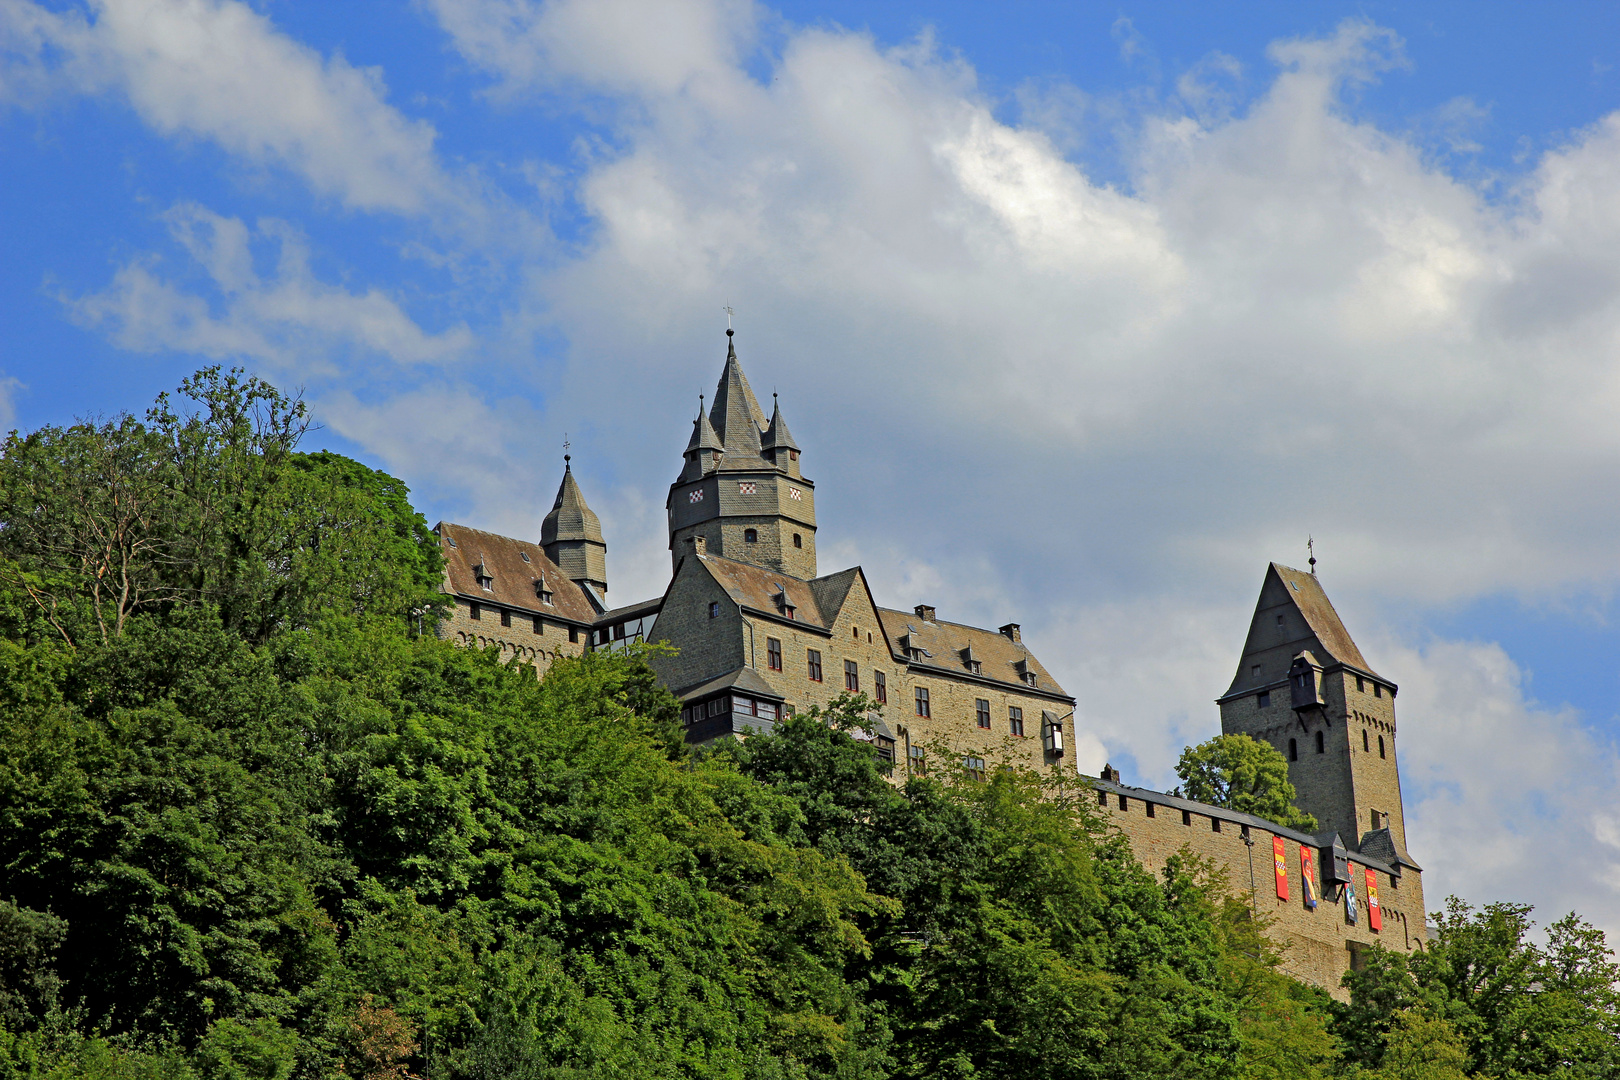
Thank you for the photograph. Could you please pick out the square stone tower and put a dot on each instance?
(741, 488)
(1303, 686)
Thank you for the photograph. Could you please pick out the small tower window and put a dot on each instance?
(1320, 748)
(1380, 746)
(750, 536)
(793, 455)
(1293, 749)
(1364, 745)
(798, 541)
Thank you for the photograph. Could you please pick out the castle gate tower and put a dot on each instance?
(1303, 686)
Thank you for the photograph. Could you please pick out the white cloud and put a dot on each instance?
(218, 70)
(290, 321)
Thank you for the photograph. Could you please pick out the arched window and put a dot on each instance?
(798, 541)
(1319, 745)
(1380, 746)
(1293, 750)
(750, 536)
(1364, 745)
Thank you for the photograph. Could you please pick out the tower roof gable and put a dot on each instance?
(570, 518)
(736, 415)
(1293, 615)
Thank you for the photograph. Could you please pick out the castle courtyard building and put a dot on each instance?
(758, 633)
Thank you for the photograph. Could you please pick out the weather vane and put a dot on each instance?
(1310, 546)
(566, 446)
(729, 314)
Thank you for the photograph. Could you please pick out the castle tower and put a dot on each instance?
(572, 536)
(740, 487)
(1303, 686)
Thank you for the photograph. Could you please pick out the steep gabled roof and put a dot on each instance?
(512, 576)
(777, 436)
(831, 591)
(1000, 658)
(757, 587)
(736, 415)
(1308, 622)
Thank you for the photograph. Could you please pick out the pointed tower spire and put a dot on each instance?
(703, 450)
(572, 535)
(736, 415)
(778, 446)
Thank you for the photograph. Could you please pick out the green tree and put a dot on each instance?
(1243, 774)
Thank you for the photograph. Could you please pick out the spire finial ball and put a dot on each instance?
(729, 331)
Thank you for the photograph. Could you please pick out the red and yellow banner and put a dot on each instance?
(1307, 874)
(1375, 917)
(1280, 858)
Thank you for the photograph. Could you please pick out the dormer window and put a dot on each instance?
(542, 591)
(783, 605)
(485, 579)
(1030, 678)
(971, 662)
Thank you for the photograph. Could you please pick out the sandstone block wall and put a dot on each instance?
(519, 639)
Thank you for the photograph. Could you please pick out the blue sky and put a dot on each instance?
(1082, 314)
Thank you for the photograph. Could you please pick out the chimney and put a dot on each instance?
(1011, 630)
(700, 544)
(924, 612)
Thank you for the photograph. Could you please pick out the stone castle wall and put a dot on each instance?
(539, 648)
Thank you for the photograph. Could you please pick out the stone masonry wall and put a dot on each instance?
(1318, 945)
(519, 639)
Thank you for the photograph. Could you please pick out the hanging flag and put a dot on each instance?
(1307, 874)
(1280, 859)
(1351, 911)
(1375, 917)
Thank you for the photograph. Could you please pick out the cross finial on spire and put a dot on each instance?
(567, 457)
(729, 313)
(1310, 545)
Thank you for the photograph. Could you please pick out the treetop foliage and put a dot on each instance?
(257, 821)
(1243, 774)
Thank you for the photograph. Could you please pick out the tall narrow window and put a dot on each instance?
(798, 541)
(1293, 749)
(922, 701)
(814, 657)
(539, 625)
(573, 635)
(1015, 720)
(1378, 690)
(852, 677)
(1319, 747)
(1361, 685)
(1380, 746)
(714, 609)
(880, 687)
(773, 653)
(981, 708)
(917, 760)
(475, 611)
(1364, 745)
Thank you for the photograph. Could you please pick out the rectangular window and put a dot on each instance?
(773, 653)
(917, 761)
(982, 707)
(1263, 700)
(506, 617)
(814, 656)
(475, 611)
(922, 701)
(1124, 803)
(1361, 685)
(1186, 817)
(1378, 690)
(714, 609)
(573, 635)
(880, 687)
(975, 768)
(852, 677)
(1102, 799)
(539, 625)
(1214, 824)
(1148, 807)
(1015, 720)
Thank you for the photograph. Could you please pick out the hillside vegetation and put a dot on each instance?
(257, 822)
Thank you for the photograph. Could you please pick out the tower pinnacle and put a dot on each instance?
(572, 534)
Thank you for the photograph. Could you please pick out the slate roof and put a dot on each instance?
(943, 643)
(514, 578)
(570, 518)
(1325, 635)
(756, 587)
(737, 418)
(777, 436)
(744, 678)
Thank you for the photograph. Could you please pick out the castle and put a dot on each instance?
(758, 633)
